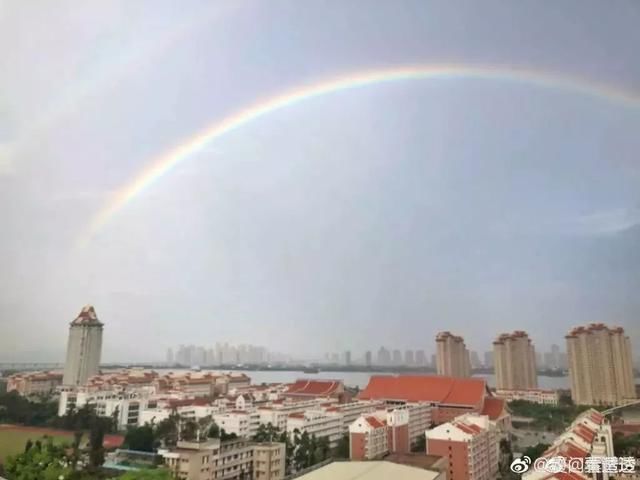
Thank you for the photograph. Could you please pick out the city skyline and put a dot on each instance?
(317, 179)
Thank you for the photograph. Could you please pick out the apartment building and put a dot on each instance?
(588, 436)
(470, 443)
(368, 438)
(600, 365)
(515, 361)
(229, 460)
(127, 404)
(243, 423)
(269, 461)
(452, 356)
(534, 395)
(34, 383)
(321, 423)
(84, 347)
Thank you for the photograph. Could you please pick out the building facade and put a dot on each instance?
(515, 361)
(452, 356)
(84, 348)
(229, 460)
(600, 365)
(470, 443)
(534, 395)
(34, 383)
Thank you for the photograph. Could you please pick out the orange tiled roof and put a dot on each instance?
(493, 407)
(374, 422)
(313, 387)
(426, 388)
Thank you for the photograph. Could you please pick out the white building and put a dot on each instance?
(534, 395)
(127, 405)
(243, 423)
(321, 423)
(589, 435)
(84, 348)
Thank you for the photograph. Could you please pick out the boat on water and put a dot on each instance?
(311, 370)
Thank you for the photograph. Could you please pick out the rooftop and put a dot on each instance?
(371, 470)
(426, 388)
(87, 316)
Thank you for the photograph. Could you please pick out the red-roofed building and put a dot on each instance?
(496, 410)
(449, 396)
(373, 436)
(306, 389)
(34, 383)
(470, 443)
(589, 435)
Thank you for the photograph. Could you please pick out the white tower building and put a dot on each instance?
(83, 348)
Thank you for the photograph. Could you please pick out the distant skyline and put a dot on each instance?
(370, 216)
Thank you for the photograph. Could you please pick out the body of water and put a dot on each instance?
(361, 379)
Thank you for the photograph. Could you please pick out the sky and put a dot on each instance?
(371, 216)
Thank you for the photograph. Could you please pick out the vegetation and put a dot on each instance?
(17, 409)
(536, 451)
(547, 417)
(342, 449)
(626, 446)
(140, 438)
(153, 474)
(14, 440)
(46, 462)
(420, 445)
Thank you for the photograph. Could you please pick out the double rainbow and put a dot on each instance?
(164, 163)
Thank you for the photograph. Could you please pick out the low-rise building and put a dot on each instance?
(372, 470)
(34, 383)
(127, 405)
(470, 443)
(588, 440)
(243, 423)
(534, 395)
(229, 460)
(321, 423)
(373, 436)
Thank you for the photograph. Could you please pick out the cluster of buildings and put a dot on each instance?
(222, 354)
(459, 418)
(588, 440)
(599, 360)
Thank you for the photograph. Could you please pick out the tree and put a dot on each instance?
(140, 438)
(28, 445)
(155, 474)
(266, 433)
(420, 445)
(48, 462)
(167, 430)
(96, 440)
(342, 449)
(535, 451)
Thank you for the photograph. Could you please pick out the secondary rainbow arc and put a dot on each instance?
(167, 161)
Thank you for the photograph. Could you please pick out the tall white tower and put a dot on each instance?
(83, 348)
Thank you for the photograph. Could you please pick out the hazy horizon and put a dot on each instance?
(372, 216)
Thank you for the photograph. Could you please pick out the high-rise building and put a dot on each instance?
(384, 357)
(347, 358)
(397, 357)
(408, 357)
(169, 356)
(84, 348)
(434, 361)
(474, 359)
(555, 357)
(452, 355)
(600, 365)
(367, 358)
(515, 361)
(421, 358)
(488, 359)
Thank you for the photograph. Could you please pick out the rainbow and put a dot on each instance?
(166, 162)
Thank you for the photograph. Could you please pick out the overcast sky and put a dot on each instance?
(374, 216)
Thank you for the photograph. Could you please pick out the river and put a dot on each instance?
(360, 379)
